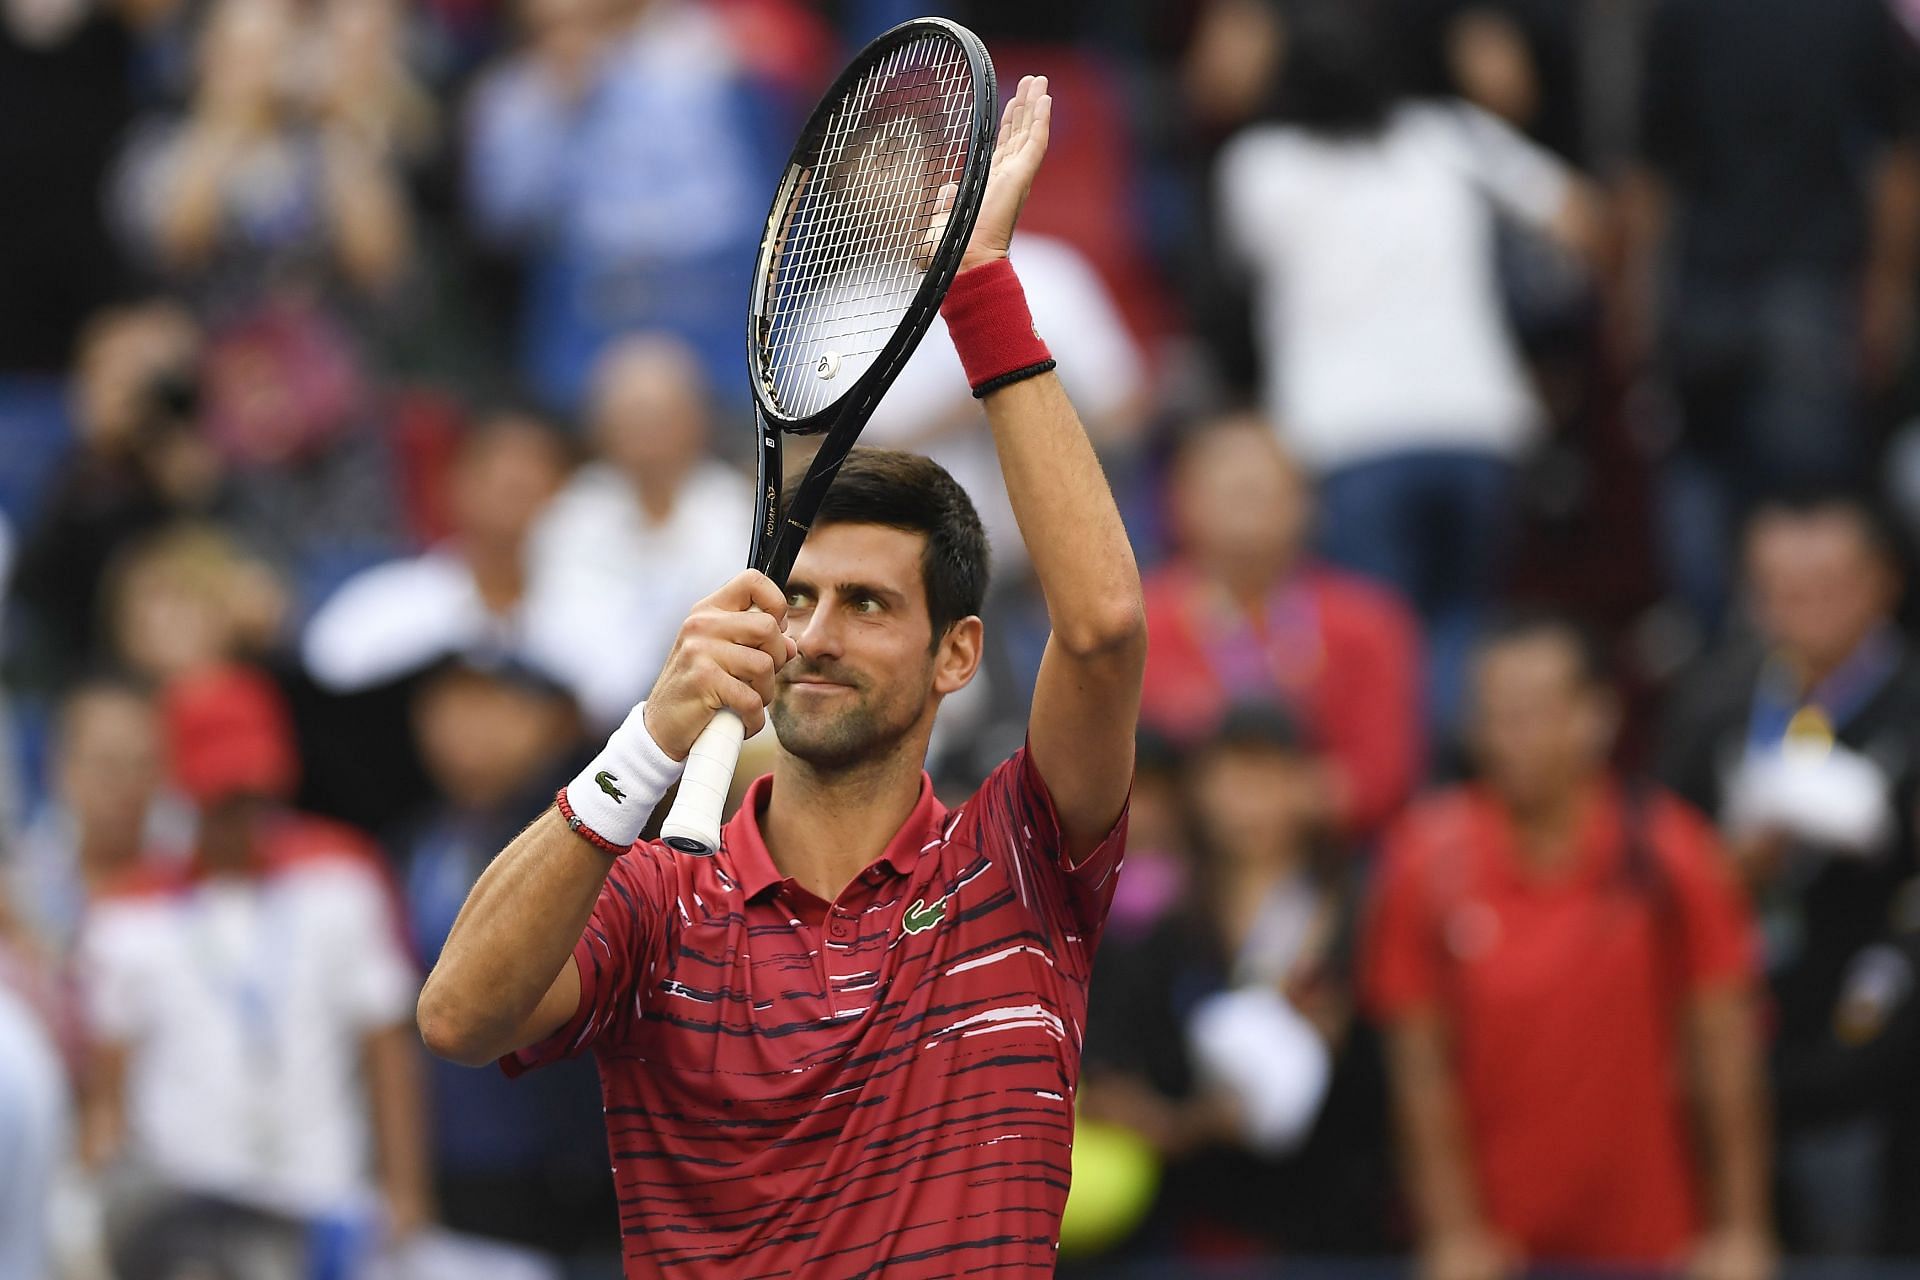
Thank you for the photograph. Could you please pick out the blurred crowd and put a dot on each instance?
(1515, 407)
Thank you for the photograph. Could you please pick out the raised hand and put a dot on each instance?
(1024, 129)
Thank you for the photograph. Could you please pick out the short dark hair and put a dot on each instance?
(1338, 76)
(908, 492)
(1524, 623)
(1878, 528)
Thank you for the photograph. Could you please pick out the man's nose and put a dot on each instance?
(818, 633)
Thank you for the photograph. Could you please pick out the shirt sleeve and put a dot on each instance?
(616, 948)
(1251, 182)
(517, 139)
(1015, 817)
(389, 620)
(1526, 180)
(1083, 327)
(113, 984)
(1719, 938)
(1399, 952)
(379, 985)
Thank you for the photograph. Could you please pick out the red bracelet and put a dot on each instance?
(582, 830)
(986, 312)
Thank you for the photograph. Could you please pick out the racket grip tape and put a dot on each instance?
(693, 825)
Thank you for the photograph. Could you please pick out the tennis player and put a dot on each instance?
(847, 1044)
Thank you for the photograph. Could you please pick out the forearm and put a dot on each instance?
(511, 940)
(394, 1092)
(1893, 252)
(1733, 1109)
(367, 213)
(188, 225)
(1436, 1164)
(103, 1110)
(1067, 517)
(1642, 201)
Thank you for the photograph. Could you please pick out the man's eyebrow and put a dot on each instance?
(885, 595)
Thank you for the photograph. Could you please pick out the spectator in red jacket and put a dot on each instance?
(1550, 950)
(1241, 614)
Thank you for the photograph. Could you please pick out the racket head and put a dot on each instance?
(868, 224)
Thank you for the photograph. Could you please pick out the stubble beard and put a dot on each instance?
(846, 738)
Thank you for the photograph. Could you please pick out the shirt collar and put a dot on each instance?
(753, 867)
(1595, 840)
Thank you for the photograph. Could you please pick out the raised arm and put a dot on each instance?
(1087, 700)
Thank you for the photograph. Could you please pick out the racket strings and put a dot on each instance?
(854, 246)
(868, 268)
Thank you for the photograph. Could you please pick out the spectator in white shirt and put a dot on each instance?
(637, 536)
(254, 1014)
(1367, 225)
(465, 595)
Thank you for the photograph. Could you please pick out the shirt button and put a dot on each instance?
(839, 928)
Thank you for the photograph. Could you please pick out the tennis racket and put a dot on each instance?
(865, 234)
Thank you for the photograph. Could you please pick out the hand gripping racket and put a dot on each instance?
(865, 234)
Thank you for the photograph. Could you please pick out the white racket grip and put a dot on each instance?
(693, 825)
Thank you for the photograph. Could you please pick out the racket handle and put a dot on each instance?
(693, 824)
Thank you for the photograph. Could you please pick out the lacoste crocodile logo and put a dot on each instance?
(606, 781)
(920, 917)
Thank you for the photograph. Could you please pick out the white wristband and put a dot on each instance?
(616, 793)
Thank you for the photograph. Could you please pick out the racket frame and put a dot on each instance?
(779, 528)
(778, 532)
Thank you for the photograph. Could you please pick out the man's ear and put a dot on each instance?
(957, 656)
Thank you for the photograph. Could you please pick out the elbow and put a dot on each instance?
(1117, 632)
(450, 1031)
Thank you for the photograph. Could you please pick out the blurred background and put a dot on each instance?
(1515, 408)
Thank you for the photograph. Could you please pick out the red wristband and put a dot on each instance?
(584, 831)
(986, 313)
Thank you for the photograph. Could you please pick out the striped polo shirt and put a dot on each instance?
(878, 1085)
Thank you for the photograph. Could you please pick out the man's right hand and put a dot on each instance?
(725, 658)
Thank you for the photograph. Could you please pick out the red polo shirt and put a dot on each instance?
(1563, 995)
(880, 1085)
(1339, 652)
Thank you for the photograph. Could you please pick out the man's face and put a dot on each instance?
(501, 488)
(1238, 500)
(1818, 584)
(484, 741)
(1539, 729)
(868, 675)
(1253, 800)
(649, 408)
(110, 763)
